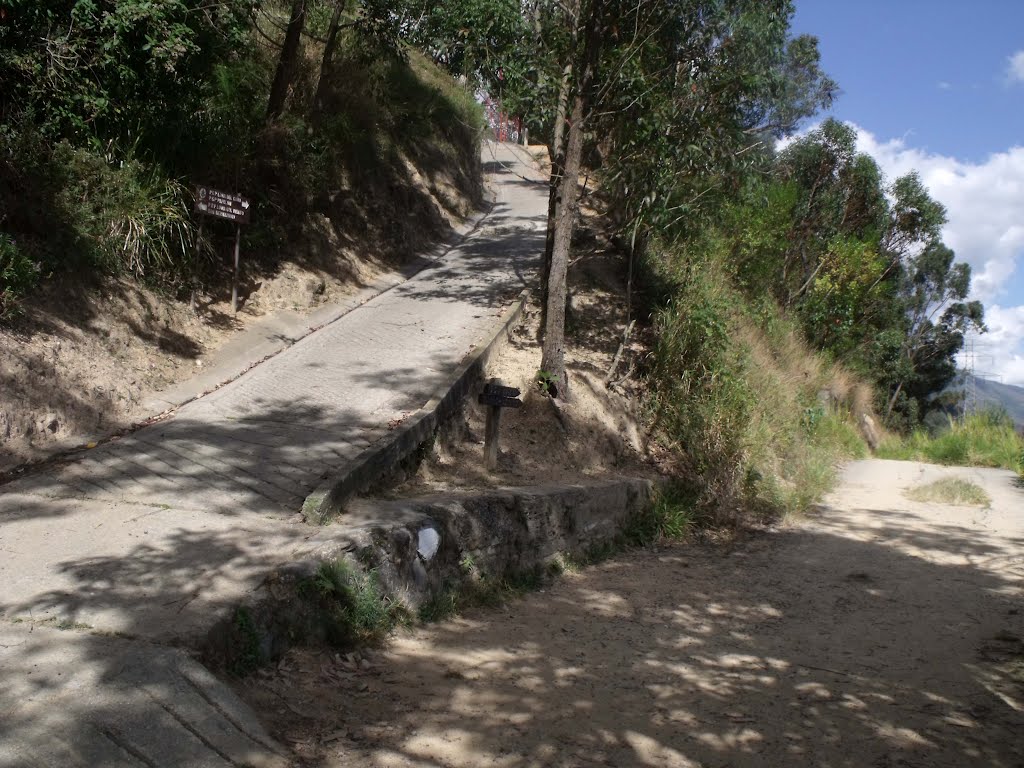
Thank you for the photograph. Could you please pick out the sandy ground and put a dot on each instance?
(881, 632)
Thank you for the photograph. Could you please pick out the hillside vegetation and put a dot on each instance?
(112, 110)
(784, 290)
(759, 420)
(792, 289)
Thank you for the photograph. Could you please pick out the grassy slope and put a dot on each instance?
(759, 420)
(392, 154)
(985, 439)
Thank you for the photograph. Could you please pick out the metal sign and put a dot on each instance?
(223, 205)
(497, 389)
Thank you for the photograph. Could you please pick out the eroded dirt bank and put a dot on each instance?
(882, 632)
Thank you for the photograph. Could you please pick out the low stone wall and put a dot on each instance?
(501, 533)
(420, 548)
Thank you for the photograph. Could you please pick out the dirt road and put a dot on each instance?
(881, 632)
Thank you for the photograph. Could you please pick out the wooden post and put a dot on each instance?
(491, 434)
(195, 266)
(234, 284)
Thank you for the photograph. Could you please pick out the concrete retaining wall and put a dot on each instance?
(419, 549)
(332, 496)
(502, 533)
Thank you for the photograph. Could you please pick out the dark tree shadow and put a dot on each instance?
(799, 647)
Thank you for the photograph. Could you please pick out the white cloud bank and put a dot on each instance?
(1015, 67)
(985, 206)
(1001, 350)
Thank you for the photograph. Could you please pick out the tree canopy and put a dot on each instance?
(675, 105)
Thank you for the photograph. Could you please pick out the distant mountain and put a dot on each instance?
(991, 392)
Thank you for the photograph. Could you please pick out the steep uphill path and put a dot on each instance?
(154, 536)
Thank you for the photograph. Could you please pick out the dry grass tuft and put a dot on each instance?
(951, 490)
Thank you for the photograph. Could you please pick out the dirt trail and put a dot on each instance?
(881, 632)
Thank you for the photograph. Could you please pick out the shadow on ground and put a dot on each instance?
(798, 647)
(162, 533)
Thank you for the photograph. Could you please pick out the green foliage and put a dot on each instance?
(18, 275)
(471, 38)
(443, 605)
(672, 517)
(984, 439)
(847, 282)
(357, 610)
(691, 110)
(92, 71)
(840, 437)
(869, 281)
(112, 110)
(134, 218)
(546, 383)
(733, 391)
(71, 208)
(104, 107)
(701, 398)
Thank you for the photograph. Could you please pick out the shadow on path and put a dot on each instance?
(798, 647)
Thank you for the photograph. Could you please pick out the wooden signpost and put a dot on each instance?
(230, 207)
(496, 396)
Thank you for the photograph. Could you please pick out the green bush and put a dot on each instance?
(700, 399)
(134, 217)
(96, 167)
(73, 209)
(672, 516)
(733, 392)
(18, 275)
(357, 610)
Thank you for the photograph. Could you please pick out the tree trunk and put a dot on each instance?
(557, 164)
(553, 357)
(554, 191)
(286, 62)
(330, 46)
(892, 401)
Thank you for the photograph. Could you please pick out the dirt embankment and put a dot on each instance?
(881, 632)
(85, 356)
(600, 431)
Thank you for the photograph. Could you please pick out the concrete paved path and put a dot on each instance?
(80, 701)
(156, 535)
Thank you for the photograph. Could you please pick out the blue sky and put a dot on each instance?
(938, 86)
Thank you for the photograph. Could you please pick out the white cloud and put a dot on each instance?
(1001, 350)
(1005, 326)
(1015, 67)
(983, 201)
